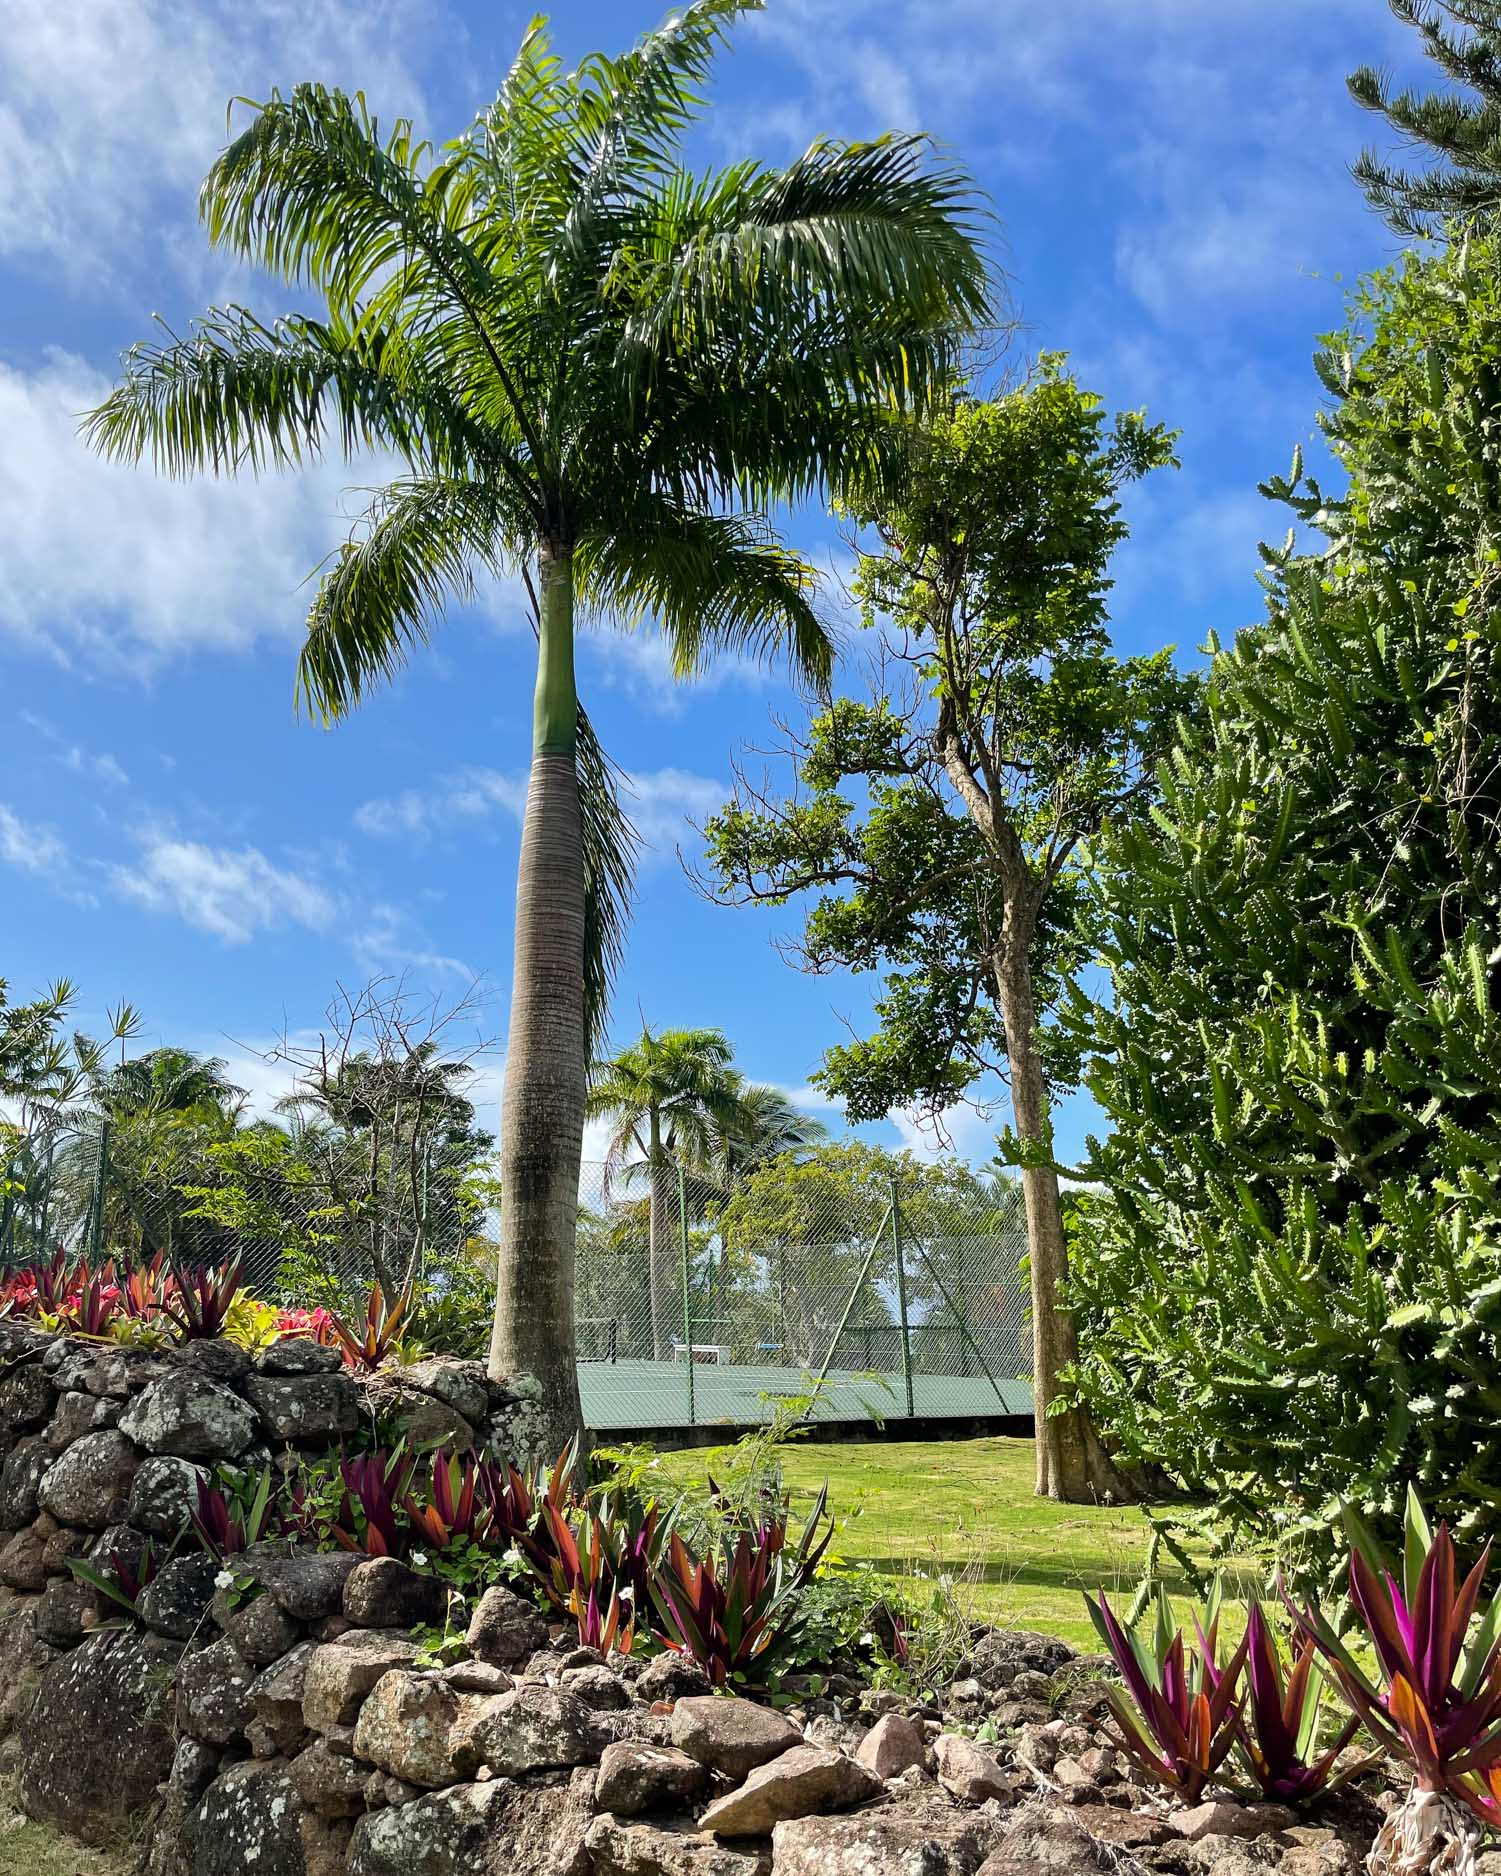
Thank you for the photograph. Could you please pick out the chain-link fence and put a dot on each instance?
(826, 1277)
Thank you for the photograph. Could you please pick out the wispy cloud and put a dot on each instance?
(33, 849)
(232, 893)
(662, 804)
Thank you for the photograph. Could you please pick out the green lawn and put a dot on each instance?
(965, 1507)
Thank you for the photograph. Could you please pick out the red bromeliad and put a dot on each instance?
(1436, 1699)
(367, 1344)
(1182, 1719)
(1280, 1728)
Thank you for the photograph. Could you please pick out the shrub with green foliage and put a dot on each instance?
(1290, 1292)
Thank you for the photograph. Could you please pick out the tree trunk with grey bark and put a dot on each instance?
(542, 1122)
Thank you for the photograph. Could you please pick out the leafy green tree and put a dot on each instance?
(596, 368)
(941, 829)
(1292, 1296)
(1461, 134)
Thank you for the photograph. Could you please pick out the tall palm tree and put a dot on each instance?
(769, 1124)
(672, 1100)
(597, 369)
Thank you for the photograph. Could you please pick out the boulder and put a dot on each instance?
(408, 1726)
(20, 1476)
(248, 1819)
(409, 1413)
(193, 1769)
(304, 1584)
(729, 1735)
(634, 1849)
(891, 1841)
(382, 1592)
(95, 1740)
(495, 1829)
(636, 1777)
(461, 1385)
(304, 1406)
(505, 1630)
(65, 1610)
(190, 1415)
(599, 1689)
(530, 1729)
(23, 1656)
(327, 1782)
(116, 1373)
(26, 1397)
(23, 1558)
(339, 1675)
(164, 1495)
(176, 1600)
(260, 1628)
(672, 1676)
(276, 1696)
(213, 1694)
(892, 1745)
(77, 1414)
(299, 1354)
(1047, 1840)
(89, 1485)
(799, 1783)
(969, 1772)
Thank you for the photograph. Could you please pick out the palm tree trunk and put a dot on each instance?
(1072, 1465)
(542, 1121)
(658, 1234)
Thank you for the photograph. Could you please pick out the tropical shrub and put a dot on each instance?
(1289, 1294)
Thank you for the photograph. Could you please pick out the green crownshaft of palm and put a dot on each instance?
(597, 369)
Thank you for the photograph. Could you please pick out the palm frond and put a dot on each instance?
(610, 847)
(713, 582)
(415, 549)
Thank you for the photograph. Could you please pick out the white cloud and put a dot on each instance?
(662, 804)
(98, 763)
(232, 893)
(957, 1132)
(32, 849)
(116, 567)
(112, 110)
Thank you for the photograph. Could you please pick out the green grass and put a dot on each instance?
(965, 1507)
(28, 1849)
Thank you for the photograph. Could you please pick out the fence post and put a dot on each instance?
(683, 1278)
(901, 1291)
(101, 1173)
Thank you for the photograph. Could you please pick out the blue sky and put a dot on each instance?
(1169, 178)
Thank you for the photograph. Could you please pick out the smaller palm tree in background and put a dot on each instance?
(677, 1104)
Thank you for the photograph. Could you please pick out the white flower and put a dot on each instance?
(225, 1580)
(419, 1558)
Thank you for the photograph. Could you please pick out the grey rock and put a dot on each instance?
(95, 1739)
(892, 1745)
(635, 1777)
(190, 1415)
(23, 1559)
(729, 1735)
(89, 1485)
(494, 1829)
(213, 1694)
(1001, 1654)
(505, 1629)
(1223, 1817)
(411, 1414)
(890, 1841)
(299, 1354)
(176, 1600)
(23, 1657)
(305, 1584)
(306, 1406)
(164, 1495)
(477, 1677)
(799, 1783)
(259, 1628)
(597, 1687)
(636, 1849)
(193, 1769)
(276, 1696)
(409, 1727)
(672, 1676)
(65, 1611)
(20, 1476)
(77, 1414)
(1047, 1840)
(530, 1729)
(458, 1384)
(340, 1674)
(328, 1782)
(382, 1592)
(969, 1772)
(249, 1819)
(65, 1543)
(26, 1397)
